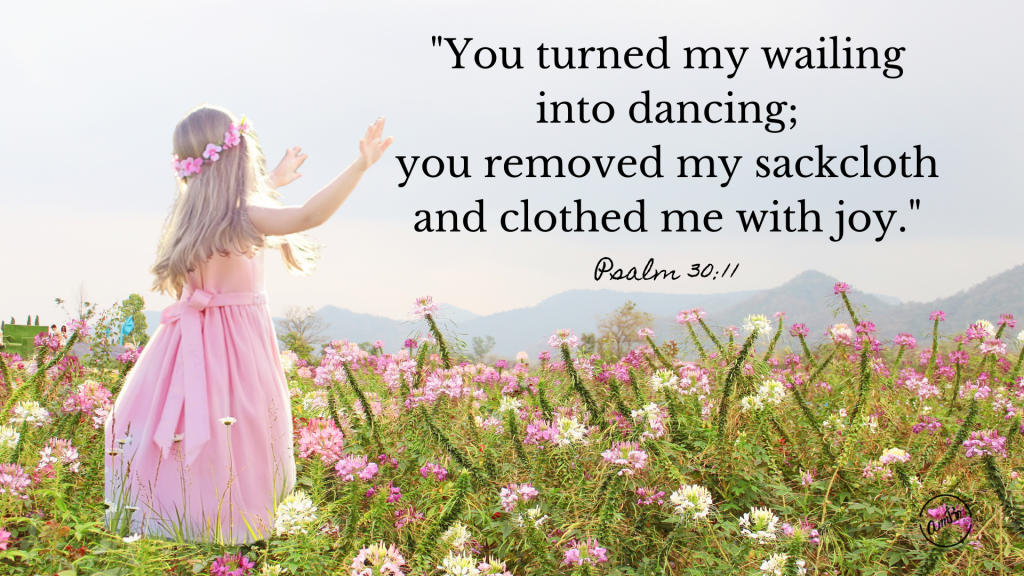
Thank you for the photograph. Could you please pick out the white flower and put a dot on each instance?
(272, 570)
(692, 501)
(30, 411)
(760, 524)
(228, 420)
(664, 379)
(177, 438)
(510, 404)
(315, 403)
(537, 515)
(132, 539)
(570, 431)
(775, 565)
(1020, 336)
(457, 535)
(9, 436)
(751, 403)
(288, 360)
(760, 323)
(459, 565)
(294, 514)
(772, 391)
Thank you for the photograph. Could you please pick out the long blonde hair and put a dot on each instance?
(210, 209)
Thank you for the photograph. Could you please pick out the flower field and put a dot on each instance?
(756, 450)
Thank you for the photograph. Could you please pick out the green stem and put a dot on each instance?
(442, 346)
(807, 352)
(711, 335)
(734, 372)
(775, 340)
(696, 342)
(657, 352)
(935, 349)
(576, 384)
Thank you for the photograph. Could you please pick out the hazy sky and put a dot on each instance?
(93, 91)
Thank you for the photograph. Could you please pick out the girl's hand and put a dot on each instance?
(287, 170)
(370, 146)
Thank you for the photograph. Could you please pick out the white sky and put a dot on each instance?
(93, 91)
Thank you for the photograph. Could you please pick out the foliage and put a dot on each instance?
(580, 464)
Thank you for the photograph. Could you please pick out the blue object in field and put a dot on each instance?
(127, 328)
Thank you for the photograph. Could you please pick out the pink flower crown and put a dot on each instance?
(189, 166)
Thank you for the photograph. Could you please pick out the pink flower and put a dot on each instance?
(211, 152)
(841, 288)
(231, 565)
(986, 442)
(232, 137)
(563, 336)
(321, 438)
(585, 552)
(649, 496)
(424, 306)
(906, 340)
(349, 466)
(1008, 320)
(627, 454)
(938, 315)
(780, 315)
(645, 332)
(799, 330)
(436, 470)
(14, 480)
(692, 316)
(517, 493)
(993, 346)
(5, 537)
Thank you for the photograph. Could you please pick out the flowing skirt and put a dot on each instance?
(229, 492)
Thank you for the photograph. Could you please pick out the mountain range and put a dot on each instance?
(807, 298)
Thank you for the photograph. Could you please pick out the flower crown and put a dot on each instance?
(189, 166)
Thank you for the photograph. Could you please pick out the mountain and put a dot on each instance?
(807, 298)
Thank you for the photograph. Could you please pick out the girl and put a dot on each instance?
(199, 441)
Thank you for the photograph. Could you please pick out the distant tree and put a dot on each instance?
(618, 330)
(132, 307)
(588, 342)
(482, 347)
(297, 343)
(308, 328)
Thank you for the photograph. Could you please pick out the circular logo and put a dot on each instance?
(945, 521)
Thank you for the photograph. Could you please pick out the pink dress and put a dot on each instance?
(199, 442)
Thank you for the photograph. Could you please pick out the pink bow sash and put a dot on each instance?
(188, 386)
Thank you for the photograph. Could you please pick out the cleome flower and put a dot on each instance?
(378, 560)
(563, 336)
(294, 514)
(760, 323)
(30, 412)
(759, 524)
(626, 454)
(691, 502)
(894, 455)
(775, 565)
(424, 305)
(459, 565)
(664, 379)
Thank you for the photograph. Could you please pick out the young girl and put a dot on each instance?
(199, 441)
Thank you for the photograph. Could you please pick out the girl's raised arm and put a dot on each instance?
(322, 205)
